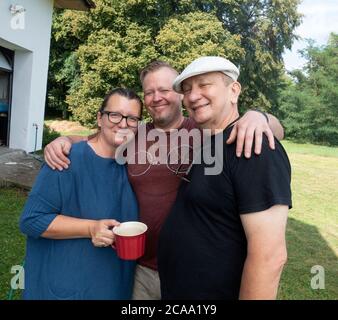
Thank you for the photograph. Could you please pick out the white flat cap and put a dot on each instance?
(205, 65)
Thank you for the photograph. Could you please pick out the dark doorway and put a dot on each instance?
(6, 71)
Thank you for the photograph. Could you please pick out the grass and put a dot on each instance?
(307, 148)
(312, 232)
(12, 242)
(77, 133)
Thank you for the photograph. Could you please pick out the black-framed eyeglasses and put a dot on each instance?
(116, 118)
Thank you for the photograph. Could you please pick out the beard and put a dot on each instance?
(166, 118)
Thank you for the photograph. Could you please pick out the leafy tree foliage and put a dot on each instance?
(106, 47)
(309, 103)
(191, 35)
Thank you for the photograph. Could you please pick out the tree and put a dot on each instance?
(108, 60)
(92, 52)
(308, 104)
(63, 69)
(186, 37)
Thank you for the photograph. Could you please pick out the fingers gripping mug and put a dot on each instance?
(130, 240)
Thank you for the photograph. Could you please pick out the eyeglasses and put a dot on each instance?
(116, 117)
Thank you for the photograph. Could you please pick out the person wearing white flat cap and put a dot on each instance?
(205, 65)
(225, 235)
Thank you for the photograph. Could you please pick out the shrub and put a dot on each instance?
(48, 135)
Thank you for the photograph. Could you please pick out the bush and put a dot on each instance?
(48, 135)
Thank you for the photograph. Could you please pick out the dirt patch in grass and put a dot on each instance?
(65, 125)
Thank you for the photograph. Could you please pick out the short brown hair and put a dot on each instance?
(154, 66)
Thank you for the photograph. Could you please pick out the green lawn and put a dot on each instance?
(12, 242)
(312, 233)
(310, 149)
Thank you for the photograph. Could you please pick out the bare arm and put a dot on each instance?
(65, 227)
(56, 152)
(266, 253)
(250, 128)
(276, 127)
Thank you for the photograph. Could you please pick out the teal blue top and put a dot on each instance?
(92, 188)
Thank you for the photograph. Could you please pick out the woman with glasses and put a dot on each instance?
(69, 214)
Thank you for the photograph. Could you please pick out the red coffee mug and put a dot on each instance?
(130, 240)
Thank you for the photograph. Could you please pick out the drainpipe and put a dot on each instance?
(36, 135)
(35, 143)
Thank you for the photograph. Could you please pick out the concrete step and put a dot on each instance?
(18, 168)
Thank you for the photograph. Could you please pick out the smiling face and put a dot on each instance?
(211, 99)
(116, 134)
(161, 101)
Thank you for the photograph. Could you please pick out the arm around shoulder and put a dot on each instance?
(276, 127)
(56, 152)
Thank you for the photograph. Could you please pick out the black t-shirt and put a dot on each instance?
(202, 245)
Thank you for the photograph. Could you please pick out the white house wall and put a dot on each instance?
(31, 45)
(20, 131)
